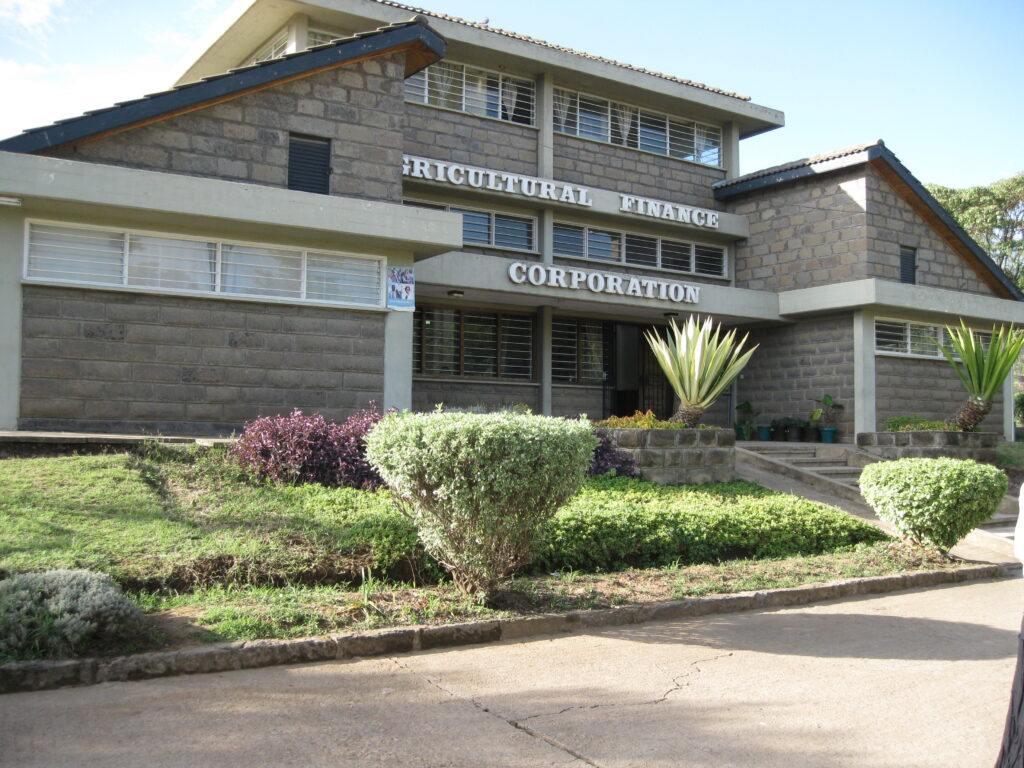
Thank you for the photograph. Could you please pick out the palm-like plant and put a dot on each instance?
(982, 368)
(699, 363)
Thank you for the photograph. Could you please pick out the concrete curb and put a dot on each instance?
(41, 675)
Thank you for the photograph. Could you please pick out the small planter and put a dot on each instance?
(828, 434)
(743, 432)
(778, 434)
(764, 432)
(812, 434)
(794, 433)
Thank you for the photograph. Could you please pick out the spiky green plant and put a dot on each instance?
(982, 368)
(699, 363)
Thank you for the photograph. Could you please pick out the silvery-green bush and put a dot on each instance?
(58, 613)
(933, 501)
(478, 486)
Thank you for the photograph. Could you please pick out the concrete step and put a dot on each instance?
(837, 470)
(813, 461)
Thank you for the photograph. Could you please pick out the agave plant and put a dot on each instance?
(982, 368)
(700, 363)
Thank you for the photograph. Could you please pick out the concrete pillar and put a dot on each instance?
(544, 318)
(298, 33)
(545, 126)
(12, 248)
(398, 329)
(1008, 408)
(731, 150)
(864, 418)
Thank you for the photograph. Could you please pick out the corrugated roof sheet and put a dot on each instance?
(802, 163)
(544, 43)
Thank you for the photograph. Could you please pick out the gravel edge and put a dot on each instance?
(21, 676)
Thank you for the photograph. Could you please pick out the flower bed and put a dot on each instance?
(675, 456)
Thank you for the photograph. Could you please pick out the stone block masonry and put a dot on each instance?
(679, 456)
(105, 361)
(931, 444)
(358, 107)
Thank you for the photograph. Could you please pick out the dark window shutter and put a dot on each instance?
(309, 164)
(908, 265)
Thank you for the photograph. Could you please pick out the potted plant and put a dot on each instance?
(764, 432)
(778, 429)
(812, 432)
(794, 430)
(745, 414)
(828, 418)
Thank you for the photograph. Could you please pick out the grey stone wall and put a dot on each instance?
(808, 233)
(980, 446)
(673, 456)
(797, 364)
(592, 163)
(892, 223)
(427, 393)
(139, 363)
(906, 386)
(358, 107)
(577, 399)
(457, 137)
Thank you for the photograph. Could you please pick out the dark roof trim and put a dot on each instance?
(876, 153)
(425, 47)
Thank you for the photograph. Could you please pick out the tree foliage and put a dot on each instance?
(994, 217)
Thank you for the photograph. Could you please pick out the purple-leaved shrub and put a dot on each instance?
(608, 458)
(299, 449)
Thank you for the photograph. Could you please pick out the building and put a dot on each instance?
(256, 238)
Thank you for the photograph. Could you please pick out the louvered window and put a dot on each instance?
(894, 337)
(473, 344)
(577, 351)
(638, 250)
(309, 164)
(473, 90)
(489, 228)
(197, 266)
(591, 117)
(908, 265)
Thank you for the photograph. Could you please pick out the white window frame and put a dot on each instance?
(502, 76)
(275, 47)
(640, 111)
(940, 332)
(492, 212)
(623, 234)
(218, 292)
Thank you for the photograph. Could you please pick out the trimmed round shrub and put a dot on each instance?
(299, 449)
(478, 486)
(59, 613)
(933, 501)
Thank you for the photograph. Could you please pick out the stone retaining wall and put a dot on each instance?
(980, 446)
(679, 456)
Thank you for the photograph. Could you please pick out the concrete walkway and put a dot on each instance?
(916, 678)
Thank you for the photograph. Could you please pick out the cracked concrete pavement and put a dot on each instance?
(909, 679)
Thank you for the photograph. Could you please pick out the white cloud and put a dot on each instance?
(30, 14)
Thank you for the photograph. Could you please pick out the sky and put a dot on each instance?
(938, 81)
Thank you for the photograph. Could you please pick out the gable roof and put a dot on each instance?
(424, 47)
(888, 166)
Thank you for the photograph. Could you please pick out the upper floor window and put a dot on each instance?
(591, 117)
(159, 262)
(320, 37)
(908, 265)
(309, 164)
(639, 250)
(489, 228)
(476, 91)
(277, 46)
(895, 337)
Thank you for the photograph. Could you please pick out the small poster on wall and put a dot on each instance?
(401, 289)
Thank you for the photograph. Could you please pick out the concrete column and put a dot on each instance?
(731, 150)
(1008, 408)
(298, 33)
(546, 235)
(544, 318)
(12, 246)
(864, 418)
(398, 329)
(545, 126)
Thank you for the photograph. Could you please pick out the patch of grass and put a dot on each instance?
(247, 613)
(1010, 455)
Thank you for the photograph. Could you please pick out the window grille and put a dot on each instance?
(591, 117)
(277, 47)
(197, 266)
(489, 228)
(908, 265)
(473, 344)
(638, 250)
(320, 37)
(475, 91)
(893, 337)
(577, 351)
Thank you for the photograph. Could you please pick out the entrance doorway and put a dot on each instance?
(636, 380)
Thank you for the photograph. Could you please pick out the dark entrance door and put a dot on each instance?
(637, 381)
